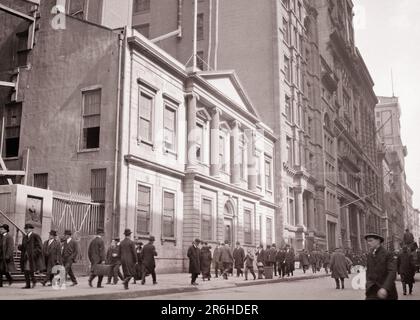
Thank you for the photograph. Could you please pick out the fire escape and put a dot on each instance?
(10, 82)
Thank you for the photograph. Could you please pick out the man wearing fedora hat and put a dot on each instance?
(96, 253)
(381, 270)
(128, 257)
(52, 255)
(7, 264)
(69, 254)
(148, 260)
(193, 255)
(31, 258)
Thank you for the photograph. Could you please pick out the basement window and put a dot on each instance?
(91, 119)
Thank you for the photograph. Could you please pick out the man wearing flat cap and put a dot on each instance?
(52, 255)
(31, 258)
(128, 257)
(69, 254)
(7, 264)
(381, 270)
(148, 260)
(96, 254)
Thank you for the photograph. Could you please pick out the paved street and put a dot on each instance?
(312, 289)
(167, 284)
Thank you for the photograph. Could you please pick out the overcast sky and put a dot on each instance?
(388, 36)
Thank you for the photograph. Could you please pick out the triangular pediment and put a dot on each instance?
(227, 82)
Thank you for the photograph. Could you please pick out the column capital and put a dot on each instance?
(191, 94)
(235, 123)
(214, 110)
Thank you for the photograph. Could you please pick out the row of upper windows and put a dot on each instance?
(202, 141)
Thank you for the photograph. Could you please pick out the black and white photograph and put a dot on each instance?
(223, 151)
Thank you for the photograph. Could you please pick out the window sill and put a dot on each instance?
(171, 152)
(142, 236)
(147, 143)
(88, 150)
(168, 239)
(11, 158)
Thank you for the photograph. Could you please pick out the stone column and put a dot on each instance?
(311, 215)
(359, 241)
(299, 206)
(234, 154)
(347, 241)
(214, 143)
(252, 172)
(191, 130)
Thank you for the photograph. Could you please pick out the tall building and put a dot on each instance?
(347, 90)
(388, 125)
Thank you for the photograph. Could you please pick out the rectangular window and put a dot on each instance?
(13, 115)
(144, 29)
(247, 226)
(287, 68)
(288, 106)
(222, 157)
(22, 48)
(258, 171)
(291, 207)
(242, 157)
(206, 214)
(200, 26)
(300, 10)
(268, 174)
(41, 180)
(286, 31)
(269, 231)
(310, 126)
(199, 142)
(169, 128)
(145, 117)
(97, 185)
(289, 146)
(143, 211)
(141, 5)
(168, 215)
(200, 60)
(260, 224)
(91, 119)
(76, 8)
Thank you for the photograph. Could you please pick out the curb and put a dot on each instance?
(158, 292)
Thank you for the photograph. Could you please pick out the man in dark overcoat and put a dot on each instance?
(216, 258)
(128, 257)
(381, 270)
(290, 260)
(193, 255)
(96, 254)
(205, 261)
(239, 258)
(281, 262)
(272, 258)
(148, 260)
(31, 257)
(69, 255)
(7, 264)
(52, 256)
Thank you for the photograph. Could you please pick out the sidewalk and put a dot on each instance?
(167, 284)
